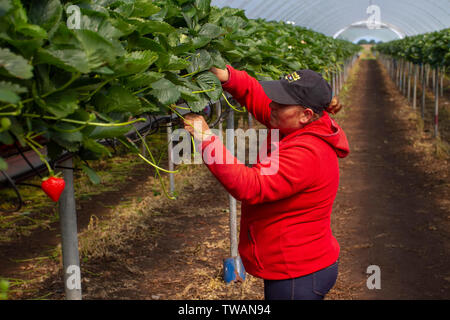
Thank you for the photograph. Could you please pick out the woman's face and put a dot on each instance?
(288, 118)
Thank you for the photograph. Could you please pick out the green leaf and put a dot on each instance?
(189, 14)
(92, 175)
(18, 14)
(31, 30)
(58, 128)
(211, 30)
(66, 144)
(151, 26)
(135, 62)
(16, 65)
(3, 164)
(200, 41)
(46, 13)
(101, 26)
(197, 106)
(5, 7)
(170, 62)
(165, 91)
(120, 24)
(233, 23)
(144, 8)
(8, 96)
(64, 37)
(203, 8)
(125, 9)
(200, 61)
(218, 60)
(187, 95)
(223, 45)
(183, 47)
(148, 106)
(118, 99)
(72, 60)
(104, 70)
(143, 79)
(14, 87)
(95, 147)
(62, 103)
(93, 10)
(6, 138)
(207, 81)
(98, 50)
(109, 132)
(136, 41)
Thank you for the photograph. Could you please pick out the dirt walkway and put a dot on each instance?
(392, 210)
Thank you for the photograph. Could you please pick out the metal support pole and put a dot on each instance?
(69, 235)
(415, 87)
(170, 157)
(336, 86)
(397, 74)
(232, 266)
(333, 85)
(394, 68)
(423, 93)
(337, 82)
(409, 81)
(233, 219)
(434, 79)
(436, 103)
(402, 70)
(250, 120)
(219, 112)
(405, 68)
(442, 81)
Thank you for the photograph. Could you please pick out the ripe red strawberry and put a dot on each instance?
(53, 187)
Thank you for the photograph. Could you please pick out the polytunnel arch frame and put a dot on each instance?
(405, 16)
(389, 26)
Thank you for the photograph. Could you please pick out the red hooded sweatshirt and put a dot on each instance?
(285, 221)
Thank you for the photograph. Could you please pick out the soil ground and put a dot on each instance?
(392, 210)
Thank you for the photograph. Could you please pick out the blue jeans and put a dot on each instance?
(313, 286)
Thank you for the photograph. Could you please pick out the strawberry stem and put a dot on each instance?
(231, 106)
(31, 143)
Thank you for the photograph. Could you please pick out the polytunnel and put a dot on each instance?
(352, 20)
(223, 150)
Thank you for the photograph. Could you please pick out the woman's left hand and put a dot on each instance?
(197, 126)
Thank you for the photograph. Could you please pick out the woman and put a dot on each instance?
(285, 235)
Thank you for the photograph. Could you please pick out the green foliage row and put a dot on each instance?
(74, 84)
(430, 48)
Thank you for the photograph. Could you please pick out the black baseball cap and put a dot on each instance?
(306, 88)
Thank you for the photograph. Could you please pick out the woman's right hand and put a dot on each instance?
(221, 74)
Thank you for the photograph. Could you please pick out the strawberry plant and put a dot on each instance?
(429, 48)
(73, 86)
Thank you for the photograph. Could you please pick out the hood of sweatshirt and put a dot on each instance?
(328, 130)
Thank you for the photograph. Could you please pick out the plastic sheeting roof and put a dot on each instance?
(347, 18)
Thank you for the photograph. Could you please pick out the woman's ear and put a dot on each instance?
(306, 116)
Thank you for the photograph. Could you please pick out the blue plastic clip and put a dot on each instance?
(233, 270)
